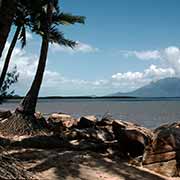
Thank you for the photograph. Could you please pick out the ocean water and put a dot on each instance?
(147, 112)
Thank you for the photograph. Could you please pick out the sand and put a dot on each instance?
(78, 165)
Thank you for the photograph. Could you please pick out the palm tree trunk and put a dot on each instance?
(7, 10)
(8, 57)
(28, 104)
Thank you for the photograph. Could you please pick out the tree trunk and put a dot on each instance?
(28, 104)
(8, 57)
(7, 10)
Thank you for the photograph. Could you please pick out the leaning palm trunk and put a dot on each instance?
(28, 104)
(8, 57)
(23, 121)
(7, 10)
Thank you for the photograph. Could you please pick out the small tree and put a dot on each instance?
(11, 78)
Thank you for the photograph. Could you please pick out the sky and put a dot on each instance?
(124, 45)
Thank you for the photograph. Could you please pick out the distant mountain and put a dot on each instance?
(168, 87)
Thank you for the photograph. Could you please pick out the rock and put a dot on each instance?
(105, 134)
(81, 145)
(91, 134)
(56, 118)
(132, 138)
(71, 135)
(41, 120)
(60, 122)
(105, 121)
(38, 115)
(167, 125)
(105, 128)
(86, 122)
(166, 139)
(164, 151)
(88, 133)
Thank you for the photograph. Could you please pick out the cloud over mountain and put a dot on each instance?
(55, 82)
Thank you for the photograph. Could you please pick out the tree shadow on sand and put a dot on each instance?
(61, 162)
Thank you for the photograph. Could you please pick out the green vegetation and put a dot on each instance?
(11, 78)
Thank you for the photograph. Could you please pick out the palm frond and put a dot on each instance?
(22, 36)
(56, 5)
(55, 36)
(67, 19)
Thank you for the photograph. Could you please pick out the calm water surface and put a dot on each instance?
(149, 113)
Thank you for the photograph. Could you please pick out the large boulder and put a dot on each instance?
(163, 154)
(86, 122)
(60, 122)
(87, 128)
(132, 138)
(91, 134)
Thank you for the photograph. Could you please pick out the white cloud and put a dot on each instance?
(53, 81)
(56, 84)
(153, 72)
(132, 80)
(29, 35)
(80, 47)
(171, 58)
(143, 55)
(26, 65)
(158, 73)
(130, 76)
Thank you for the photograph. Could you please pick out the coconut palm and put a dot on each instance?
(7, 11)
(45, 22)
(46, 26)
(24, 9)
(20, 21)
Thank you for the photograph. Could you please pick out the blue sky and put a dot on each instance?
(124, 45)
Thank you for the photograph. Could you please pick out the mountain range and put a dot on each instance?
(168, 87)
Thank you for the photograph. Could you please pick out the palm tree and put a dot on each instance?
(24, 8)
(46, 26)
(7, 11)
(20, 21)
(44, 21)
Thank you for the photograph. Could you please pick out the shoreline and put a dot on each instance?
(147, 113)
(120, 98)
(96, 145)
